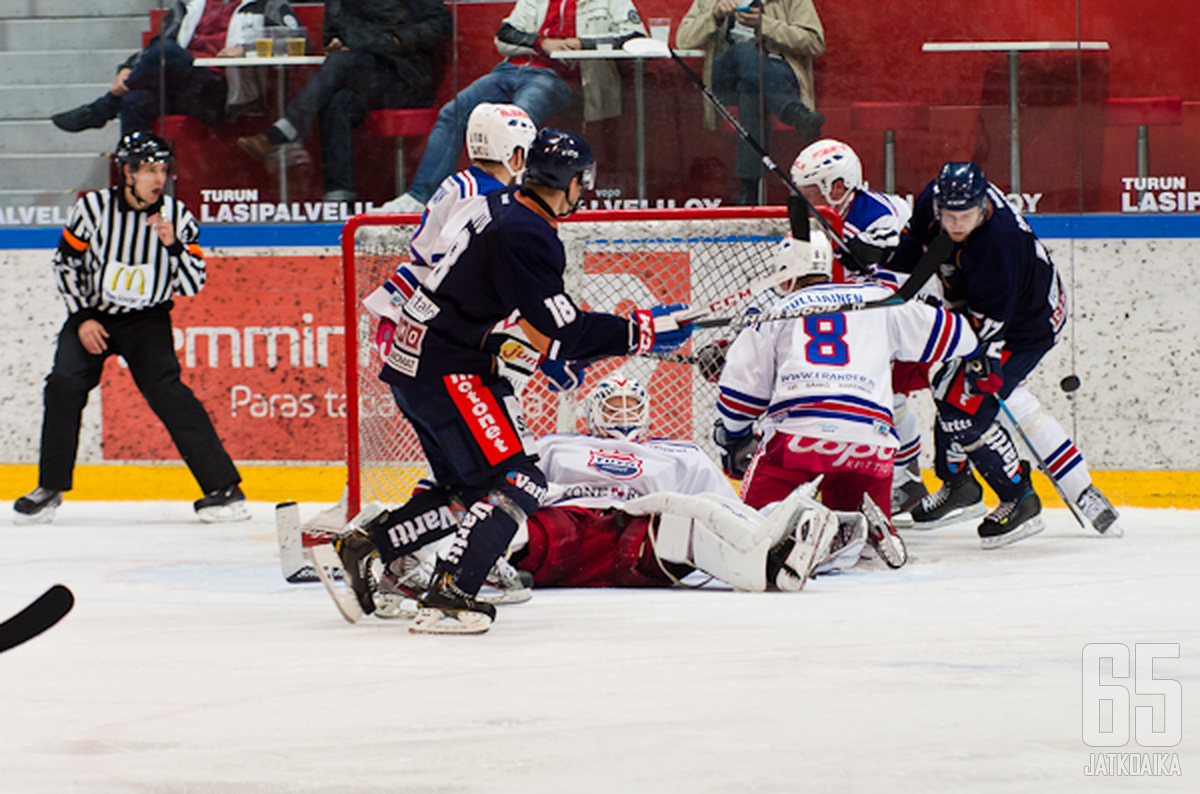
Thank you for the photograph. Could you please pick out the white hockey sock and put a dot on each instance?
(1050, 442)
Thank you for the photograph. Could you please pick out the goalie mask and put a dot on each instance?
(822, 164)
(812, 258)
(494, 132)
(618, 408)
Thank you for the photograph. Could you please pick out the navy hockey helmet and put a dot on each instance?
(960, 186)
(556, 157)
(140, 147)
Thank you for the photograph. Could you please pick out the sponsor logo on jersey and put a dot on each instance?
(402, 362)
(844, 454)
(409, 337)
(489, 425)
(421, 307)
(621, 465)
(524, 482)
(407, 533)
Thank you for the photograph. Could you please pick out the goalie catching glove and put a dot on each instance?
(657, 330)
(736, 450)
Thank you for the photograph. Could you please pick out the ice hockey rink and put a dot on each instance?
(190, 665)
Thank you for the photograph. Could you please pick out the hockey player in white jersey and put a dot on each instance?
(829, 174)
(823, 386)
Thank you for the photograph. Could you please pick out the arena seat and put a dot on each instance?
(401, 123)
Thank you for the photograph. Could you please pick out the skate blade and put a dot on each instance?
(891, 550)
(956, 516)
(325, 561)
(394, 606)
(514, 596)
(225, 514)
(45, 516)
(440, 621)
(1115, 530)
(1030, 527)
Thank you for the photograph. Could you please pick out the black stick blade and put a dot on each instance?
(49, 608)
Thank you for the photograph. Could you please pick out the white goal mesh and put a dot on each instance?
(616, 262)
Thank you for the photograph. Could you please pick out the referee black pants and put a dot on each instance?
(145, 341)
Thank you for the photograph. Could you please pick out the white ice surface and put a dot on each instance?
(189, 665)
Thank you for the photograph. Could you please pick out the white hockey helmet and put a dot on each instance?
(495, 131)
(812, 259)
(618, 408)
(823, 163)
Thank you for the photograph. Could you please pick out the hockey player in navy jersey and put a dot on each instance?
(822, 385)
(498, 139)
(444, 375)
(1003, 279)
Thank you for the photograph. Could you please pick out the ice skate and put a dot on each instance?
(846, 547)
(811, 528)
(39, 506)
(446, 609)
(1100, 512)
(358, 554)
(223, 504)
(957, 500)
(883, 536)
(909, 493)
(400, 584)
(1015, 520)
(515, 587)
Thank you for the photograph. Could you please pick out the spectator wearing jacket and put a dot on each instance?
(191, 29)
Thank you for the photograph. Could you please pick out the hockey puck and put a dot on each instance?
(1070, 383)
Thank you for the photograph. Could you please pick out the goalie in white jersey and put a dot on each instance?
(823, 386)
(624, 510)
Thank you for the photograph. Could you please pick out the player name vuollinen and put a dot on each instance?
(1132, 765)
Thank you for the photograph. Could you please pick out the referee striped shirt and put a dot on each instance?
(111, 260)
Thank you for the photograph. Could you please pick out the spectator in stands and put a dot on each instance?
(731, 31)
(191, 29)
(379, 53)
(529, 79)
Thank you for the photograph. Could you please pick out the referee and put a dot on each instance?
(124, 254)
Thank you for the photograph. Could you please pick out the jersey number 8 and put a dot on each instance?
(826, 343)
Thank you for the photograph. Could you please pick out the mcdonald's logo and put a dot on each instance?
(130, 274)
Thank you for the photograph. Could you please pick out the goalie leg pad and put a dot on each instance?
(722, 537)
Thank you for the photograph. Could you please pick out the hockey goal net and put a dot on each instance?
(616, 262)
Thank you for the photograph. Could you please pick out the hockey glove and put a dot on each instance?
(736, 450)
(563, 375)
(710, 360)
(657, 331)
(384, 335)
(983, 372)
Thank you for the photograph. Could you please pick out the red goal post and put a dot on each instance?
(616, 262)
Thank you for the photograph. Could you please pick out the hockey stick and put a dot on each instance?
(934, 255)
(1038, 459)
(46, 610)
(655, 47)
(937, 252)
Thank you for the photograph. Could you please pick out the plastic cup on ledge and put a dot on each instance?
(660, 28)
